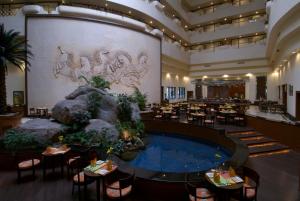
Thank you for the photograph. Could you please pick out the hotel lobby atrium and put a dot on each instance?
(150, 100)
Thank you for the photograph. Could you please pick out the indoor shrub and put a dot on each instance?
(15, 140)
(139, 98)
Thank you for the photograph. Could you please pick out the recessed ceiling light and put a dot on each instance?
(163, 6)
(249, 74)
(211, 3)
(106, 4)
(225, 76)
(186, 26)
(256, 12)
(129, 12)
(180, 41)
(256, 33)
(163, 30)
(225, 38)
(204, 77)
(185, 44)
(241, 15)
(173, 36)
(151, 22)
(225, 19)
(199, 7)
(173, 15)
(240, 36)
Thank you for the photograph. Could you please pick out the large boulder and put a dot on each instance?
(99, 126)
(84, 90)
(42, 129)
(135, 112)
(66, 110)
(108, 110)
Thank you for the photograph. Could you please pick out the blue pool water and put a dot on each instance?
(175, 154)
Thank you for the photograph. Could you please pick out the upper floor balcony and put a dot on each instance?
(228, 31)
(175, 51)
(226, 10)
(234, 52)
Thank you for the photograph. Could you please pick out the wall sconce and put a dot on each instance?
(168, 75)
(185, 78)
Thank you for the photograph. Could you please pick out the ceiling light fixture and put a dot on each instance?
(256, 12)
(151, 22)
(129, 12)
(225, 76)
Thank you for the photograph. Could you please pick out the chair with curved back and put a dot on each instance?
(200, 192)
(121, 188)
(26, 162)
(78, 178)
(251, 179)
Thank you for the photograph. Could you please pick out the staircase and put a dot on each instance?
(258, 144)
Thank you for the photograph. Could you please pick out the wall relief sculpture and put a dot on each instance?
(117, 67)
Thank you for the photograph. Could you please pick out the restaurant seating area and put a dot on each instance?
(150, 100)
(202, 113)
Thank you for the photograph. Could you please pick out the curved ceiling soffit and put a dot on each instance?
(271, 48)
(283, 41)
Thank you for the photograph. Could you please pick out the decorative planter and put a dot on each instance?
(8, 121)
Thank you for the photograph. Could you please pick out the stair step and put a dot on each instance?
(258, 141)
(282, 151)
(247, 136)
(267, 148)
(240, 132)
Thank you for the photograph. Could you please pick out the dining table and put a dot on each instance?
(225, 182)
(227, 113)
(51, 154)
(199, 116)
(98, 172)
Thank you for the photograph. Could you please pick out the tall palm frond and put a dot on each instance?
(13, 50)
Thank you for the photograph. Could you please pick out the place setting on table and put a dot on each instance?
(97, 170)
(225, 180)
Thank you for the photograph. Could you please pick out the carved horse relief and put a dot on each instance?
(116, 67)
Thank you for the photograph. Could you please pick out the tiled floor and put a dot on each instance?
(254, 111)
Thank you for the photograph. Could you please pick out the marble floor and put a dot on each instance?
(255, 112)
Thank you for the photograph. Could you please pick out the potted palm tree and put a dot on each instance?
(13, 52)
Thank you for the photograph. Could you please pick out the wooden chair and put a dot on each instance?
(209, 120)
(199, 192)
(251, 178)
(32, 111)
(221, 118)
(120, 189)
(78, 178)
(26, 162)
(240, 119)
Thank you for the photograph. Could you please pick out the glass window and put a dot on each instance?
(181, 92)
(170, 93)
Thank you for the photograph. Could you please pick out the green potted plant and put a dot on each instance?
(13, 52)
